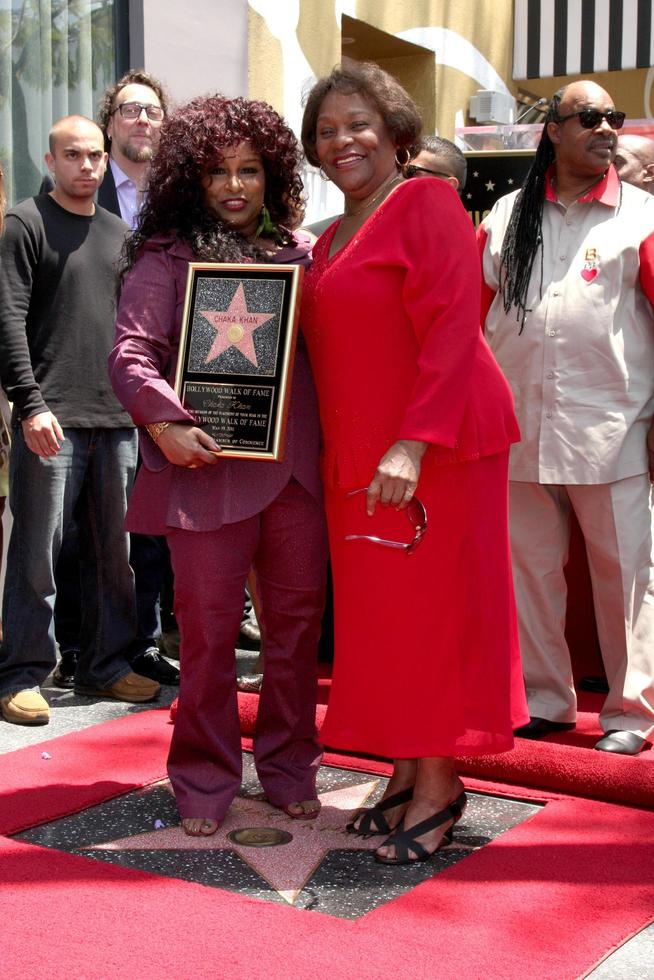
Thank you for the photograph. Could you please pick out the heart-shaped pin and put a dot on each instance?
(589, 274)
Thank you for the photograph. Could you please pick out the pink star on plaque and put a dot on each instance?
(286, 867)
(234, 327)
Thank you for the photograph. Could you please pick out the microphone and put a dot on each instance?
(530, 108)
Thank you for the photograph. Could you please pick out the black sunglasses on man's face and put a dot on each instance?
(590, 118)
(411, 170)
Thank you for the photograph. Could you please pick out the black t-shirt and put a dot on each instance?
(57, 313)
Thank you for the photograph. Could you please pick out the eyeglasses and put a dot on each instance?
(417, 515)
(411, 170)
(590, 118)
(132, 110)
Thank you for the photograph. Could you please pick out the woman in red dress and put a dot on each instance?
(415, 410)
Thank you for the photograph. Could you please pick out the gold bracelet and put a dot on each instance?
(156, 428)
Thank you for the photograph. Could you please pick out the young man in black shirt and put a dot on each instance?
(74, 449)
(130, 116)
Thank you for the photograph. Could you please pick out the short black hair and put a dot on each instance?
(450, 154)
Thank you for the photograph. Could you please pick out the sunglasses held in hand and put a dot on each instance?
(417, 515)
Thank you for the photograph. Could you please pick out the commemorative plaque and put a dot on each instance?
(236, 349)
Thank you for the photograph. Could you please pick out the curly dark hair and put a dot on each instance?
(135, 76)
(193, 139)
(384, 92)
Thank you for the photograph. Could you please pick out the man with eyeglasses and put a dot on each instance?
(130, 116)
(439, 157)
(568, 264)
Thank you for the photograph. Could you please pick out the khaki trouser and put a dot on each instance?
(616, 522)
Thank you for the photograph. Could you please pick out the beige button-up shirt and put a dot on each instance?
(582, 370)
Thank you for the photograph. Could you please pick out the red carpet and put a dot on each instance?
(564, 763)
(549, 898)
(84, 768)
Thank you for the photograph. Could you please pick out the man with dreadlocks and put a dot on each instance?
(568, 266)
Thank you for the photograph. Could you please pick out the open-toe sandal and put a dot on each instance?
(366, 827)
(404, 841)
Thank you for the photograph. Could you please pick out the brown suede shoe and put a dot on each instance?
(25, 708)
(132, 688)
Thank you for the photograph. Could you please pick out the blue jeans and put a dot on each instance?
(91, 477)
(150, 561)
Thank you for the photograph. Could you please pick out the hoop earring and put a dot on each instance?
(401, 164)
(323, 175)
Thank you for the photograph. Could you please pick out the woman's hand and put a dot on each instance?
(396, 478)
(186, 445)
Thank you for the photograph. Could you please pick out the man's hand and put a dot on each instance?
(650, 450)
(43, 434)
(186, 445)
(397, 475)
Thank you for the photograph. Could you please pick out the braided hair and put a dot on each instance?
(523, 237)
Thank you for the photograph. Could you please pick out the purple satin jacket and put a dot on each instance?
(142, 370)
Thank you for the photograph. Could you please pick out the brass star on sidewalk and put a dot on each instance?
(286, 867)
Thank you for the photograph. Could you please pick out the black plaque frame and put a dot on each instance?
(242, 402)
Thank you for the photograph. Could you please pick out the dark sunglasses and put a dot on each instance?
(417, 515)
(412, 171)
(590, 118)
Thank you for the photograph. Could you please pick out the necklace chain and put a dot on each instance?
(582, 193)
(373, 200)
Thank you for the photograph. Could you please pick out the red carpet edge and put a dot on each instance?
(531, 901)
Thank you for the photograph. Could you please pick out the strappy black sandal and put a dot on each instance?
(376, 814)
(404, 841)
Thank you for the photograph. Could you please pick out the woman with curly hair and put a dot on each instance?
(225, 187)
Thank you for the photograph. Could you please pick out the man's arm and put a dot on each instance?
(18, 260)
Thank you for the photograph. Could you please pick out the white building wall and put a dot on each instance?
(195, 48)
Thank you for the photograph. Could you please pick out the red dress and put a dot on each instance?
(427, 660)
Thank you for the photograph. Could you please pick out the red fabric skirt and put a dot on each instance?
(427, 660)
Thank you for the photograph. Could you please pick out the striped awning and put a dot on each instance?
(576, 37)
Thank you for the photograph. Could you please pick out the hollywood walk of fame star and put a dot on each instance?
(234, 327)
(287, 867)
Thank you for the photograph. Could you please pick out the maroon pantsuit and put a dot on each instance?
(210, 572)
(220, 521)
